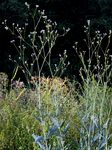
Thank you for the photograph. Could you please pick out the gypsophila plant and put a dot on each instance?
(35, 45)
(39, 43)
(96, 74)
(97, 60)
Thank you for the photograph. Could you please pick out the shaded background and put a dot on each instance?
(73, 14)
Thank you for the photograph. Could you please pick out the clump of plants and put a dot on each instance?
(52, 113)
(96, 75)
(37, 104)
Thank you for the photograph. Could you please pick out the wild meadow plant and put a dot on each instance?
(49, 105)
(58, 116)
(35, 46)
(96, 75)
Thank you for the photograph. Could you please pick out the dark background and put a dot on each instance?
(67, 13)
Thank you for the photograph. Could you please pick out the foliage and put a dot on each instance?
(57, 113)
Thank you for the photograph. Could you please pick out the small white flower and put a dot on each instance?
(44, 17)
(67, 30)
(59, 55)
(28, 6)
(15, 61)
(55, 65)
(55, 23)
(43, 12)
(20, 37)
(65, 51)
(38, 11)
(19, 29)
(76, 43)
(110, 31)
(26, 3)
(10, 57)
(97, 42)
(26, 24)
(98, 31)
(48, 26)
(104, 34)
(68, 63)
(24, 47)
(37, 6)
(5, 21)
(6, 28)
(13, 41)
(88, 22)
(42, 31)
(29, 35)
(17, 25)
(56, 31)
(64, 28)
(49, 21)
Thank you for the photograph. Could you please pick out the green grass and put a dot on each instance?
(19, 119)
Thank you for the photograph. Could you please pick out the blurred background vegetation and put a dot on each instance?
(71, 14)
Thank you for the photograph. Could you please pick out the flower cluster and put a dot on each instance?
(18, 84)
